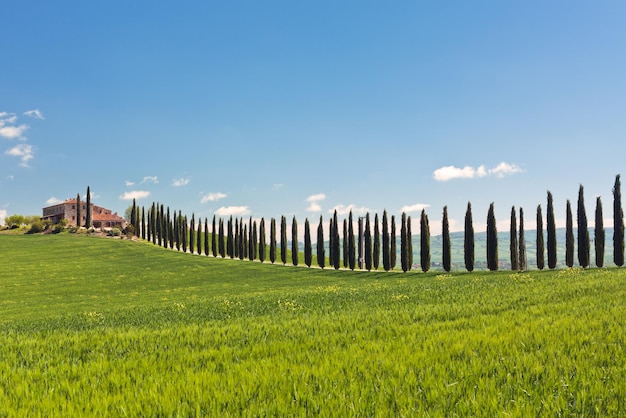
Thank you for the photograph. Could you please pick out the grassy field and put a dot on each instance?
(103, 327)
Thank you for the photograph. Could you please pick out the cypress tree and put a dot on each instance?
(599, 234)
(262, 249)
(540, 243)
(272, 240)
(143, 223)
(523, 261)
(206, 237)
(336, 244)
(551, 231)
(331, 246)
(583, 231)
(134, 216)
(183, 230)
(176, 234)
(345, 246)
(368, 243)
(192, 234)
(351, 243)
(376, 248)
(514, 248)
(404, 251)
(294, 242)
(569, 236)
(243, 240)
(255, 240)
(308, 250)
(237, 243)
(445, 247)
(251, 250)
(468, 239)
(361, 241)
(283, 239)
(321, 256)
(199, 237)
(221, 247)
(424, 242)
(385, 242)
(492, 240)
(167, 228)
(78, 214)
(618, 224)
(230, 239)
(153, 220)
(392, 244)
(214, 236)
(409, 243)
(88, 209)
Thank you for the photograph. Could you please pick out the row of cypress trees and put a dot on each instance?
(246, 240)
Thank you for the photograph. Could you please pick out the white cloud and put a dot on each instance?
(3, 214)
(451, 172)
(23, 151)
(129, 183)
(150, 179)
(136, 194)
(53, 201)
(313, 200)
(414, 208)
(233, 210)
(345, 210)
(12, 132)
(212, 197)
(35, 113)
(180, 182)
(277, 186)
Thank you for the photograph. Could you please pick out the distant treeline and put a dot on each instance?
(375, 243)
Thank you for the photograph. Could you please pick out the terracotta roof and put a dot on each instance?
(107, 217)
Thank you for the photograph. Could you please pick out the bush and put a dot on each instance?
(115, 232)
(37, 226)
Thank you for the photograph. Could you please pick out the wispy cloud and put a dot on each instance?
(23, 151)
(345, 210)
(35, 113)
(314, 200)
(150, 179)
(180, 182)
(277, 186)
(451, 172)
(233, 210)
(418, 207)
(136, 194)
(212, 197)
(53, 201)
(129, 183)
(3, 214)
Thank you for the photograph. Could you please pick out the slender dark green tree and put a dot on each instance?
(468, 239)
(283, 239)
(175, 232)
(308, 249)
(321, 254)
(207, 248)
(523, 260)
(368, 243)
(598, 234)
(351, 243)
(392, 244)
(262, 249)
(361, 243)
(583, 231)
(199, 237)
(230, 239)
(404, 250)
(243, 240)
(237, 244)
(445, 238)
(192, 234)
(134, 218)
(331, 245)
(376, 247)
(541, 261)
(569, 236)
(221, 247)
(492, 240)
(618, 224)
(294, 242)
(336, 244)
(272, 240)
(251, 251)
(409, 242)
(167, 227)
(184, 230)
(424, 242)
(385, 241)
(214, 236)
(153, 221)
(88, 209)
(78, 214)
(346, 244)
(143, 223)
(551, 233)
(514, 248)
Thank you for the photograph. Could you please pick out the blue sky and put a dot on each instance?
(299, 108)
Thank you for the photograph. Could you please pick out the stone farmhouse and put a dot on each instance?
(100, 217)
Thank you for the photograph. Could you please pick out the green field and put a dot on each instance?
(105, 327)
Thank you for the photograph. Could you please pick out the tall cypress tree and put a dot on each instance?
(237, 243)
(368, 243)
(392, 244)
(251, 249)
(192, 233)
(308, 250)
(514, 248)
(409, 243)
(599, 234)
(336, 244)
(78, 214)
(361, 245)
(230, 239)
(183, 230)
(331, 246)
(153, 221)
(445, 246)
(569, 236)
(376, 248)
(404, 251)
(134, 217)
(385, 242)
(351, 243)
(468, 239)
(551, 231)
(206, 237)
(321, 254)
(262, 249)
(424, 242)
(294, 242)
(167, 228)
(214, 237)
(346, 245)
(176, 233)
(540, 243)
(88, 209)
(618, 224)
(199, 237)
(221, 246)
(523, 261)
(583, 231)
(283, 239)
(492, 240)
(143, 223)
(272, 240)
